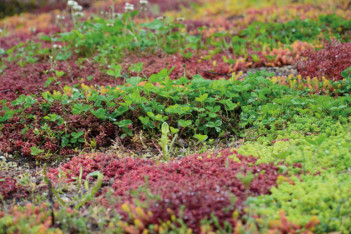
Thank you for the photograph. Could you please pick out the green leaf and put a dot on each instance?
(80, 108)
(165, 128)
(134, 81)
(230, 105)
(214, 124)
(144, 120)
(123, 136)
(202, 98)
(212, 115)
(154, 25)
(346, 73)
(35, 151)
(201, 137)
(63, 56)
(124, 123)
(185, 123)
(213, 109)
(7, 116)
(174, 130)
(138, 67)
(64, 142)
(49, 81)
(76, 135)
(115, 70)
(120, 111)
(187, 55)
(94, 174)
(100, 113)
(59, 73)
(29, 101)
(45, 38)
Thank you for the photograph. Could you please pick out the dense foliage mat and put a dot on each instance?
(176, 117)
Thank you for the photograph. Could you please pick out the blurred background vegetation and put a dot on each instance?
(13, 7)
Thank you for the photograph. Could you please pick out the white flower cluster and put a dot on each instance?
(144, 2)
(72, 3)
(129, 7)
(76, 7)
(60, 17)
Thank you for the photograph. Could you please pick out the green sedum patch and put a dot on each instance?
(323, 190)
(316, 153)
(327, 196)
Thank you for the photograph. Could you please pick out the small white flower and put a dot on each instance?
(129, 7)
(77, 8)
(33, 30)
(72, 3)
(55, 46)
(109, 25)
(0, 30)
(144, 2)
(60, 17)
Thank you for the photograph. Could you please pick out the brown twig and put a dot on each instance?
(5, 90)
(51, 199)
(158, 149)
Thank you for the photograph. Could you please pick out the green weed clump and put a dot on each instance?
(197, 108)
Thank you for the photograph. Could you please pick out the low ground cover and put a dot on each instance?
(176, 117)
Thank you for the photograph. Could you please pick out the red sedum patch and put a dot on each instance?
(203, 184)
